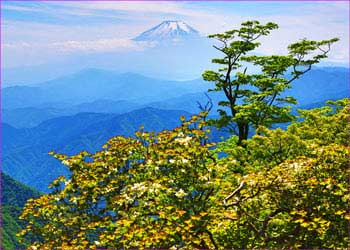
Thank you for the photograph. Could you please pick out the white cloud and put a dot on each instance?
(21, 8)
(13, 54)
(18, 31)
(101, 45)
(167, 7)
(90, 46)
(48, 8)
(322, 25)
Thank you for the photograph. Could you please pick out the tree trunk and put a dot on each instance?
(243, 129)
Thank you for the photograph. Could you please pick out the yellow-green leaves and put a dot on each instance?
(148, 191)
(283, 189)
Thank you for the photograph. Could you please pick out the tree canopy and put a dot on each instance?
(284, 188)
(254, 84)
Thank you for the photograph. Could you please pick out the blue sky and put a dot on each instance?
(42, 32)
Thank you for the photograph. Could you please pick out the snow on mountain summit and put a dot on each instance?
(168, 30)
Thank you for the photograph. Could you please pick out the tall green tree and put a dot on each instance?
(255, 99)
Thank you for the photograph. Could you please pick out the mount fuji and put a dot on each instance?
(169, 30)
(172, 50)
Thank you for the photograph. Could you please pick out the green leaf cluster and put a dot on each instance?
(255, 99)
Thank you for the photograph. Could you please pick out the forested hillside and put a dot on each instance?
(13, 197)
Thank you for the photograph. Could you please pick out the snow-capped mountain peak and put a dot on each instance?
(168, 30)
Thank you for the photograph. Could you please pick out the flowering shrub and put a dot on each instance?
(283, 189)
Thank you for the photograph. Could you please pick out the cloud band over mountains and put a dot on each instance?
(49, 28)
(88, 46)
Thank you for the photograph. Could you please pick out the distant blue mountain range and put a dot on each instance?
(81, 111)
(92, 84)
(102, 91)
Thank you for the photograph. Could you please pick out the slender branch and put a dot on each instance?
(236, 191)
(212, 239)
(230, 218)
(246, 198)
(268, 218)
(251, 216)
(272, 99)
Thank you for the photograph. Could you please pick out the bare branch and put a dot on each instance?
(208, 106)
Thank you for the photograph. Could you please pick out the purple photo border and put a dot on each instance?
(1, 135)
(175, 1)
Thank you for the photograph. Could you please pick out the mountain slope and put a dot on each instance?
(29, 116)
(32, 116)
(14, 193)
(321, 84)
(13, 197)
(25, 152)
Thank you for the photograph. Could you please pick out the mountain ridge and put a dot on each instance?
(25, 151)
(87, 86)
(27, 106)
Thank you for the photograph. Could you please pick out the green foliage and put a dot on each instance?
(10, 226)
(298, 203)
(13, 197)
(148, 191)
(325, 125)
(283, 189)
(292, 186)
(255, 99)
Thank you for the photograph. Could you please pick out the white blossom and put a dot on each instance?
(156, 185)
(180, 194)
(203, 178)
(65, 162)
(74, 200)
(184, 140)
